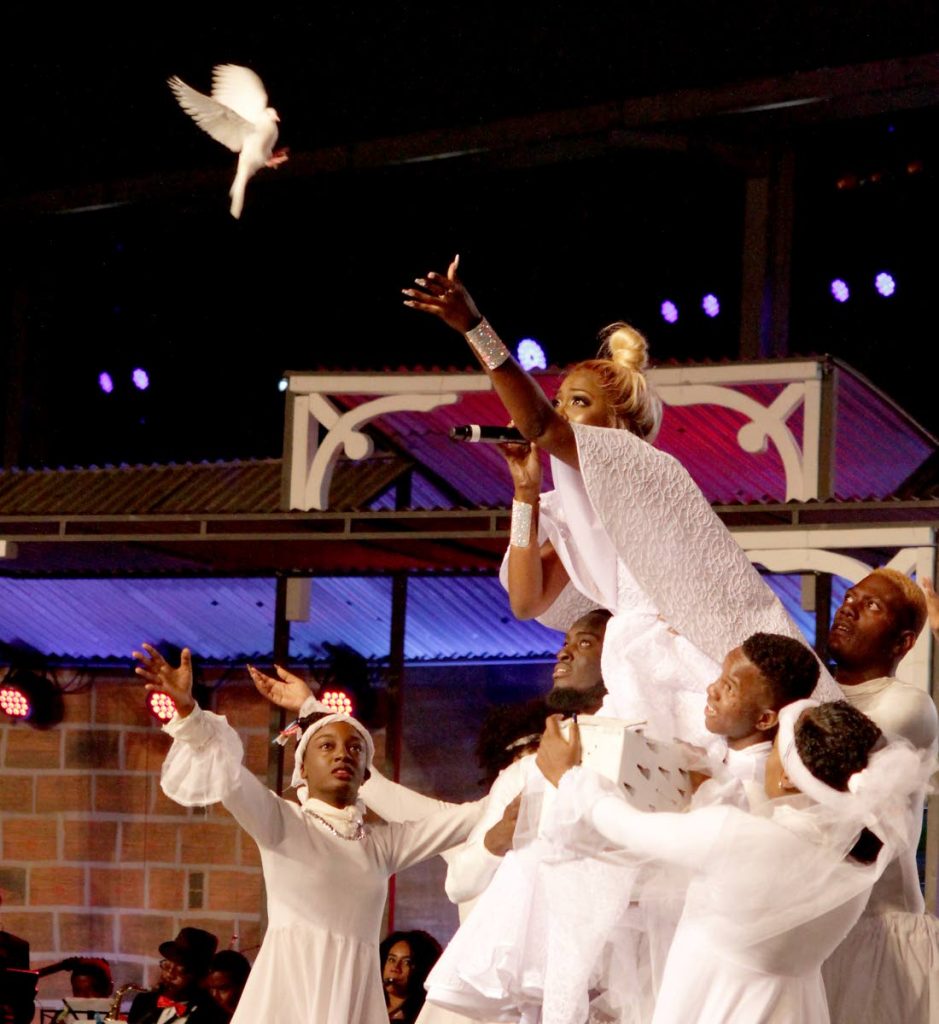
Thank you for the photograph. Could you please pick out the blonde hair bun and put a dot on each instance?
(626, 346)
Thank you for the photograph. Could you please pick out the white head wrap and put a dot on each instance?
(877, 797)
(311, 707)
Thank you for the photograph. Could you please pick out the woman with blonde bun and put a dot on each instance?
(626, 527)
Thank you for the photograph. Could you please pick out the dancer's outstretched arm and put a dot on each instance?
(445, 297)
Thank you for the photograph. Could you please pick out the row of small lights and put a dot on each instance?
(531, 356)
(885, 284)
(139, 377)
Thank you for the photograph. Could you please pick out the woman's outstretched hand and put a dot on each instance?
(445, 297)
(160, 675)
(289, 691)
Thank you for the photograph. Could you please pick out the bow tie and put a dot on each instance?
(181, 1008)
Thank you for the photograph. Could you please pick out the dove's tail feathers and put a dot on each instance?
(237, 193)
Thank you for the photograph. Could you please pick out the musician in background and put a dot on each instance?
(180, 996)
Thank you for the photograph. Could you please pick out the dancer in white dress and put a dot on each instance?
(325, 871)
(772, 893)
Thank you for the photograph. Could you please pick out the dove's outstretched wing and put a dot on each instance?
(223, 123)
(240, 89)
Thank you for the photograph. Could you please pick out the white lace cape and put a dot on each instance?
(633, 505)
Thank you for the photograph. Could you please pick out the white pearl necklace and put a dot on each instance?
(359, 833)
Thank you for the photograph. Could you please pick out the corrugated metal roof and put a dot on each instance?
(232, 620)
(454, 617)
(251, 486)
(877, 446)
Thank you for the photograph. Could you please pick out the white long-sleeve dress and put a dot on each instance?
(318, 963)
(770, 896)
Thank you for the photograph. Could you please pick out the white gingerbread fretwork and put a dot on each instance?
(312, 461)
(713, 386)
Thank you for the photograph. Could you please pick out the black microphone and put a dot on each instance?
(476, 434)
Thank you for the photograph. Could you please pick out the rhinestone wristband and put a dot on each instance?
(487, 345)
(520, 532)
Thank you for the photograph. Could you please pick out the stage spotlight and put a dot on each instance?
(339, 703)
(161, 706)
(840, 291)
(347, 674)
(27, 697)
(105, 382)
(669, 312)
(531, 355)
(711, 305)
(14, 702)
(885, 284)
(141, 379)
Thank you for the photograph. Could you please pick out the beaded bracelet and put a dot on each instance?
(487, 345)
(520, 531)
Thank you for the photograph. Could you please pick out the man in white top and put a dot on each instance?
(758, 678)
(578, 687)
(887, 969)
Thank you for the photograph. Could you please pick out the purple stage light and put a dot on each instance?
(885, 284)
(840, 291)
(711, 305)
(531, 355)
(141, 379)
(105, 382)
(669, 312)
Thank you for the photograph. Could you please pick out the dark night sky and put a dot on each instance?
(217, 310)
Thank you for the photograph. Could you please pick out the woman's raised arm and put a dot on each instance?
(444, 296)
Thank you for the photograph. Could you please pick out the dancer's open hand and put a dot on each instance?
(289, 691)
(160, 675)
(445, 297)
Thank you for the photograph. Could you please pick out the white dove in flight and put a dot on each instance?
(237, 115)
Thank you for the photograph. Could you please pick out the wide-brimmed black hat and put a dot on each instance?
(192, 947)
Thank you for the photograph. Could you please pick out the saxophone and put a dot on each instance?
(114, 1011)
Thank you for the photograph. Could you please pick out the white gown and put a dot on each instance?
(636, 536)
(887, 970)
(318, 963)
(770, 896)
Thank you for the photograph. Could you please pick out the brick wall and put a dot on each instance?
(94, 858)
